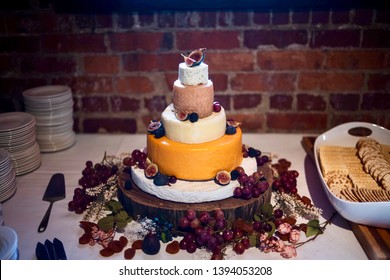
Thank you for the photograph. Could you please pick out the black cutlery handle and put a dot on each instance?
(45, 220)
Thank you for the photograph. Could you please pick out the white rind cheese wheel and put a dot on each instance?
(191, 191)
(193, 76)
(204, 130)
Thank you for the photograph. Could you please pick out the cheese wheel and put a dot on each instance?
(195, 161)
(204, 130)
(193, 76)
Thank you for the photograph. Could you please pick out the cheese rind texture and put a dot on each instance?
(195, 161)
(193, 99)
(204, 130)
(193, 76)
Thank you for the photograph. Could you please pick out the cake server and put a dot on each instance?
(55, 191)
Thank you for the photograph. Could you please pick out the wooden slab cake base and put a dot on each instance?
(138, 203)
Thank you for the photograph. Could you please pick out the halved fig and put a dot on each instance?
(223, 177)
(232, 122)
(181, 116)
(195, 58)
(153, 126)
(151, 171)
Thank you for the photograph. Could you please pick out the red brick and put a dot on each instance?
(84, 22)
(224, 100)
(95, 104)
(281, 102)
(331, 81)
(300, 17)
(110, 125)
(125, 20)
(155, 104)
(272, 82)
(220, 81)
(235, 61)
(379, 82)
(207, 19)
(9, 65)
(224, 40)
(344, 102)
(357, 59)
(133, 84)
(320, 17)
(86, 85)
(278, 38)
(297, 122)
(73, 43)
(48, 64)
(280, 17)
(240, 18)
(246, 101)
(363, 16)
(151, 62)
(123, 104)
(376, 101)
(170, 78)
(335, 38)
(101, 64)
(382, 16)
(250, 122)
(340, 16)
(289, 60)
(261, 17)
(308, 102)
(27, 44)
(103, 21)
(166, 19)
(146, 19)
(147, 41)
(376, 38)
(57, 23)
(341, 118)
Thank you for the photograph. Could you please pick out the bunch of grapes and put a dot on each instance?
(251, 186)
(92, 176)
(287, 182)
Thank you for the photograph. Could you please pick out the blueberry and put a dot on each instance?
(252, 152)
(193, 117)
(159, 132)
(161, 180)
(234, 174)
(230, 130)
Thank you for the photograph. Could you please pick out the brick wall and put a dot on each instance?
(286, 71)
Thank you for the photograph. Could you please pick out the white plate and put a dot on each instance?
(45, 92)
(15, 121)
(8, 242)
(366, 213)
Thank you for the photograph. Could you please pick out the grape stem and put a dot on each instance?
(321, 231)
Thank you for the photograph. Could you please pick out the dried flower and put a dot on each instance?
(294, 236)
(289, 252)
(284, 228)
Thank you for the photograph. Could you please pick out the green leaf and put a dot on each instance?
(121, 224)
(253, 240)
(122, 215)
(313, 228)
(256, 218)
(106, 223)
(163, 237)
(114, 206)
(267, 210)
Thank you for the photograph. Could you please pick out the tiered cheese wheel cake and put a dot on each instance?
(193, 141)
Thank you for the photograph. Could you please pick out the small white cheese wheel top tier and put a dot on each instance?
(192, 76)
(193, 99)
(204, 130)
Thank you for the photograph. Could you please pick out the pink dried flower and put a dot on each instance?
(294, 236)
(289, 252)
(284, 228)
(279, 246)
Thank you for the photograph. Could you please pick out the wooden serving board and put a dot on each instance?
(139, 203)
(374, 241)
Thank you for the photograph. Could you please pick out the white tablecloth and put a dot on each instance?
(24, 211)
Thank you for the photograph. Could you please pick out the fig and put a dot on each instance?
(195, 58)
(231, 122)
(223, 177)
(151, 171)
(161, 179)
(151, 244)
(181, 116)
(153, 126)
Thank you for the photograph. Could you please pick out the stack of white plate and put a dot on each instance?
(8, 244)
(52, 107)
(17, 136)
(7, 176)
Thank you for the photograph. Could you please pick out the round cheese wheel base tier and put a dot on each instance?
(138, 203)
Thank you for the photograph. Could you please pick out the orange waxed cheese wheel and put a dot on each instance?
(195, 161)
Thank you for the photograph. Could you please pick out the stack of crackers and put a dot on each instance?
(358, 174)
